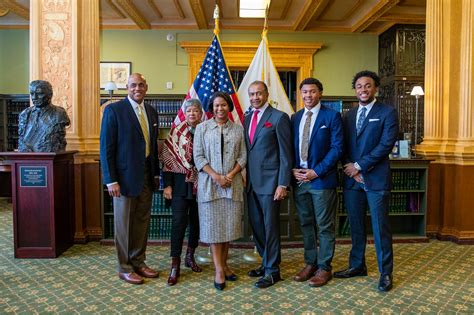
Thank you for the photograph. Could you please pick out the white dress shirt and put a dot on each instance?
(259, 116)
(368, 107)
(135, 109)
(315, 111)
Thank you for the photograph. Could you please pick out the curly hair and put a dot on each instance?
(366, 73)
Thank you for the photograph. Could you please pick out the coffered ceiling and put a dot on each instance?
(346, 16)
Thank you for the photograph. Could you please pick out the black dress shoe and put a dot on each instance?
(385, 283)
(231, 277)
(259, 272)
(268, 280)
(219, 286)
(351, 272)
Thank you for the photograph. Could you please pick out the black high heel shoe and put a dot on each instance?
(219, 286)
(231, 277)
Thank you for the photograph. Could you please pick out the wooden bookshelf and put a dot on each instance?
(10, 108)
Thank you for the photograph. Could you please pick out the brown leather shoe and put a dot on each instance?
(146, 272)
(305, 273)
(321, 277)
(131, 277)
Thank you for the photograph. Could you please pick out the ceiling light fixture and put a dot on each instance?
(253, 8)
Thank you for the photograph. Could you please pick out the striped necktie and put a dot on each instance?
(143, 125)
(305, 139)
(361, 119)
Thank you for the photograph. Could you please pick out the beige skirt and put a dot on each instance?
(220, 220)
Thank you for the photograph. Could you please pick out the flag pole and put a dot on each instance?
(216, 21)
(254, 256)
(207, 258)
(265, 25)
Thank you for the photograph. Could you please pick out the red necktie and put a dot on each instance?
(253, 126)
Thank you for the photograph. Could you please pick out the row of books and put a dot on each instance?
(14, 108)
(165, 121)
(406, 179)
(160, 227)
(399, 203)
(345, 227)
(12, 120)
(165, 106)
(17, 106)
(401, 179)
(158, 203)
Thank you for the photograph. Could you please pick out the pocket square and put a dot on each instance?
(373, 119)
(154, 125)
(323, 127)
(267, 124)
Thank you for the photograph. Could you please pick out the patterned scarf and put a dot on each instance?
(177, 154)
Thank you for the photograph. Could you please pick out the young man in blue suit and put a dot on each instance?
(370, 131)
(269, 161)
(318, 145)
(129, 161)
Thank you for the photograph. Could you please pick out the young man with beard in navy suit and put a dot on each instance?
(370, 131)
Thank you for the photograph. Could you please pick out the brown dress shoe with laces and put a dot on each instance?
(321, 277)
(305, 273)
(146, 272)
(130, 277)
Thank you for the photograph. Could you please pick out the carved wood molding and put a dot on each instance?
(405, 18)
(11, 6)
(288, 56)
(3, 11)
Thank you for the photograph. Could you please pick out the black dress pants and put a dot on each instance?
(185, 212)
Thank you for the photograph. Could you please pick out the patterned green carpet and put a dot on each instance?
(435, 277)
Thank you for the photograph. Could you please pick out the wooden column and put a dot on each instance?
(64, 50)
(449, 104)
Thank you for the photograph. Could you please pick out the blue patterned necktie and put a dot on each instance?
(361, 119)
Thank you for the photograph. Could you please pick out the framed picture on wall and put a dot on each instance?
(116, 71)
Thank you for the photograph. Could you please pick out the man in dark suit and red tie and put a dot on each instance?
(318, 145)
(370, 132)
(129, 161)
(269, 162)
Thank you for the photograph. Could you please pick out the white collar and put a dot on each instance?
(135, 104)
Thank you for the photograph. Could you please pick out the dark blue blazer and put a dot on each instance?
(370, 149)
(325, 146)
(122, 147)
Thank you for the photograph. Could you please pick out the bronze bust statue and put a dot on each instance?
(42, 127)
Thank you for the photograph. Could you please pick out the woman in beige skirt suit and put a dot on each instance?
(220, 155)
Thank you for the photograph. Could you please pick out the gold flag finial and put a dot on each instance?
(216, 20)
(265, 24)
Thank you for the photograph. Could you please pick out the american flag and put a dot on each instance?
(213, 76)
